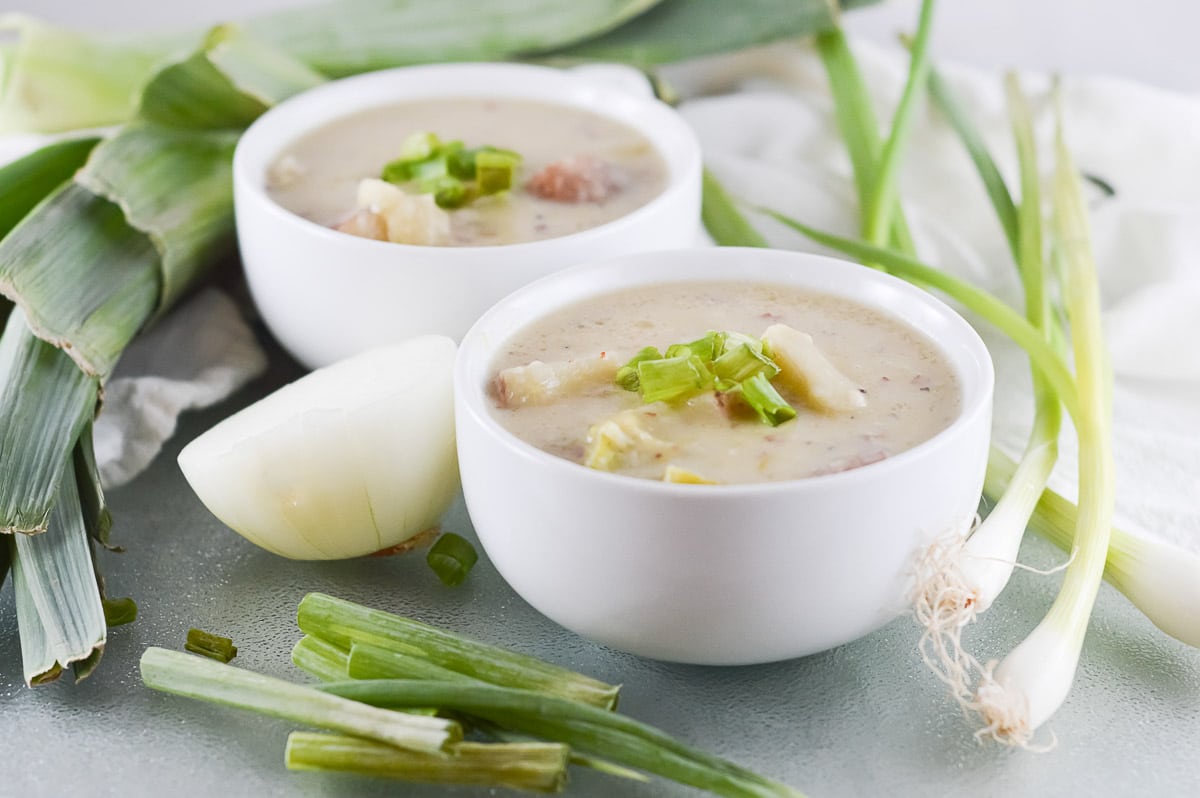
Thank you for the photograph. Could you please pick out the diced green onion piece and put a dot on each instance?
(727, 340)
(743, 362)
(532, 766)
(210, 645)
(627, 375)
(419, 146)
(766, 401)
(120, 611)
(494, 171)
(460, 161)
(672, 378)
(452, 558)
(428, 169)
(203, 679)
(397, 172)
(344, 623)
(448, 192)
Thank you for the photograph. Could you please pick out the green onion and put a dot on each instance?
(210, 645)
(766, 401)
(1033, 680)
(980, 302)
(627, 375)
(722, 219)
(118, 612)
(206, 680)
(344, 623)
(742, 362)
(531, 766)
(585, 728)
(1160, 579)
(881, 205)
(672, 379)
(321, 659)
(418, 146)
(452, 557)
(494, 171)
(372, 662)
(454, 175)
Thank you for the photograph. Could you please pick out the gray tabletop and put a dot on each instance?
(862, 719)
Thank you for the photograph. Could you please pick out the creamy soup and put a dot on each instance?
(578, 170)
(889, 388)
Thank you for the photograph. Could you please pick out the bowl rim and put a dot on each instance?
(471, 396)
(265, 139)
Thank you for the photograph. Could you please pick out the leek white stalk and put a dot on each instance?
(1033, 680)
(351, 459)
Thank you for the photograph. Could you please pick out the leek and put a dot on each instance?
(585, 728)
(197, 677)
(530, 766)
(321, 659)
(58, 608)
(344, 623)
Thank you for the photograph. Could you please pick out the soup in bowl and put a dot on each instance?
(756, 487)
(407, 201)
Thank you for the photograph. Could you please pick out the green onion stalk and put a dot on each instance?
(99, 238)
(1159, 578)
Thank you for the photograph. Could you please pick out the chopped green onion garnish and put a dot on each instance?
(494, 171)
(456, 176)
(452, 558)
(210, 645)
(627, 375)
(743, 362)
(419, 146)
(120, 611)
(672, 378)
(766, 401)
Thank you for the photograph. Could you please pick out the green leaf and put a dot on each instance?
(176, 187)
(27, 181)
(680, 29)
(360, 35)
(45, 400)
(57, 599)
(96, 516)
(226, 84)
(86, 280)
(58, 79)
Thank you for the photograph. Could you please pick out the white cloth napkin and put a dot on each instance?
(772, 139)
(201, 353)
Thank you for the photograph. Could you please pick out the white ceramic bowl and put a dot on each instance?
(326, 295)
(721, 574)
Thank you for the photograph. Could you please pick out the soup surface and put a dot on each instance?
(579, 169)
(908, 391)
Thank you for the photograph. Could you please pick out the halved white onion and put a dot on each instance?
(350, 459)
